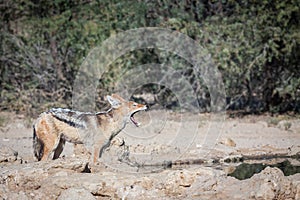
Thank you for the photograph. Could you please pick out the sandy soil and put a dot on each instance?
(179, 135)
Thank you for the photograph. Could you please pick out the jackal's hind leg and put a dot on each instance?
(47, 150)
(50, 146)
(38, 146)
(59, 148)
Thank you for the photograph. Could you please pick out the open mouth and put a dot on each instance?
(133, 120)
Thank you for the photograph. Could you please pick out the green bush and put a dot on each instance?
(255, 44)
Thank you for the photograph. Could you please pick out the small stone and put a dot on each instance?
(228, 142)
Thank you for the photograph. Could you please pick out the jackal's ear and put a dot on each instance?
(115, 103)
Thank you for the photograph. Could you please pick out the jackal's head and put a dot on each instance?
(127, 109)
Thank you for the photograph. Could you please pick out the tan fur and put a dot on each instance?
(94, 130)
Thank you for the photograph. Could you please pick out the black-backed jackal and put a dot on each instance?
(94, 130)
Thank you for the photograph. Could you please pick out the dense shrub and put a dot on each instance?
(255, 44)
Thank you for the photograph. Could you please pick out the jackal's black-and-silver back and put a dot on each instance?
(71, 117)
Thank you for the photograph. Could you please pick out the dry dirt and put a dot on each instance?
(163, 138)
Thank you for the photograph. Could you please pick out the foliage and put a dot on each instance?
(255, 44)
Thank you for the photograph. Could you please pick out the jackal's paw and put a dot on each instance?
(118, 141)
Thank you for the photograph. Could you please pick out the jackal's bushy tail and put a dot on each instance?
(37, 146)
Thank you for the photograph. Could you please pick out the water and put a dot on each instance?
(245, 170)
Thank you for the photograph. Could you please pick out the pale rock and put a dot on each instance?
(76, 193)
(7, 154)
(297, 196)
(177, 181)
(228, 142)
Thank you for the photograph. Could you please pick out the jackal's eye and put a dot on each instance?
(134, 104)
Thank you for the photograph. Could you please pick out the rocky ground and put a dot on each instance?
(170, 156)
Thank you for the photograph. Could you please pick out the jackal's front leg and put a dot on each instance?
(99, 147)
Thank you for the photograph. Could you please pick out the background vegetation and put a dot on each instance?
(255, 44)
